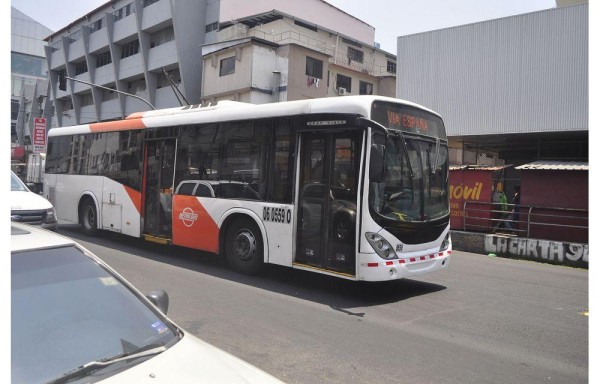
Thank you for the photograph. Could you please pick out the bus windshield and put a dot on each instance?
(420, 196)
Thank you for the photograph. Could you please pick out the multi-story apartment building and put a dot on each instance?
(28, 76)
(274, 57)
(130, 46)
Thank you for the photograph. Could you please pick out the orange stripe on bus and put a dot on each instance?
(135, 115)
(193, 227)
(136, 198)
(120, 125)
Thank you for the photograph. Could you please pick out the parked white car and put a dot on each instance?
(75, 320)
(28, 207)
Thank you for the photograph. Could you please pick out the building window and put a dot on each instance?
(67, 104)
(307, 26)
(109, 94)
(130, 49)
(87, 99)
(160, 37)
(75, 36)
(391, 66)
(80, 68)
(103, 59)
(62, 80)
(28, 65)
(149, 2)
(212, 27)
(163, 81)
(365, 88)
(56, 45)
(355, 54)
(14, 109)
(136, 86)
(314, 67)
(96, 25)
(344, 82)
(227, 66)
(351, 42)
(124, 11)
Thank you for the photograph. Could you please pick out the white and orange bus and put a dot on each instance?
(354, 187)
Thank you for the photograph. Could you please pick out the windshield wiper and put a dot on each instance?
(405, 149)
(92, 366)
(437, 156)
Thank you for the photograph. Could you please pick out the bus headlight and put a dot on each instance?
(446, 243)
(381, 246)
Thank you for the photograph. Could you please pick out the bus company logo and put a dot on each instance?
(188, 217)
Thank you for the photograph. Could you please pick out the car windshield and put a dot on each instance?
(67, 310)
(16, 184)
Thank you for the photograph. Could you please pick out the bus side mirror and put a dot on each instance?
(377, 163)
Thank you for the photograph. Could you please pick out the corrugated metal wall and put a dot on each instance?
(520, 74)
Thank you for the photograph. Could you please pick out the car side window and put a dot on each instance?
(186, 189)
(203, 191)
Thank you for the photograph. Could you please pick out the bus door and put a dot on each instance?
(158, 186)
(327, 201)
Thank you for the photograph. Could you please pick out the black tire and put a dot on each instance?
(88, 217)
(244, 247)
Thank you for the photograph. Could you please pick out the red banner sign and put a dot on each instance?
(39, 135)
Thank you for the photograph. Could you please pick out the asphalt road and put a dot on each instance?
(483, 320)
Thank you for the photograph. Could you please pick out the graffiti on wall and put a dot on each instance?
(543, 250)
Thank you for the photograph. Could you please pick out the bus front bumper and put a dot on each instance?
(373, 268)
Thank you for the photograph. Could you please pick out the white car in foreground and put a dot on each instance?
(28, 207)
(76, 320)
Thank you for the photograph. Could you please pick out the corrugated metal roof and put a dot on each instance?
(555, 166)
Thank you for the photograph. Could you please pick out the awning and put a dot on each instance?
(479, 167)
(555, 166)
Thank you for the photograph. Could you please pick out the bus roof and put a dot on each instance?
(232, 111)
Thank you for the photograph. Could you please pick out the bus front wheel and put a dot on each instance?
(88, 217)
(244, 247)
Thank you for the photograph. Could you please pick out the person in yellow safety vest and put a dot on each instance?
(501, 205)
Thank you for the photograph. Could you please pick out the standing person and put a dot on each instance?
(501, 207)
(516, 212)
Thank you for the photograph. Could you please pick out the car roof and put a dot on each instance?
(25, 237)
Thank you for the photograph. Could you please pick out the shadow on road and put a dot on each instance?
(340, 294)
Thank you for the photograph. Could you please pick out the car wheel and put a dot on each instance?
(88, 217)
(244, 247)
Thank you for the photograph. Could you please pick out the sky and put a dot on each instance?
(390, 18)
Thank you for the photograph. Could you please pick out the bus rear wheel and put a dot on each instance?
(88, 217)
(244, 247)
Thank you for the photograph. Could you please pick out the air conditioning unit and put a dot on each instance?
(342, 91)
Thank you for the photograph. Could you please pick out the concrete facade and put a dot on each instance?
(28, 76)
(281, 68)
